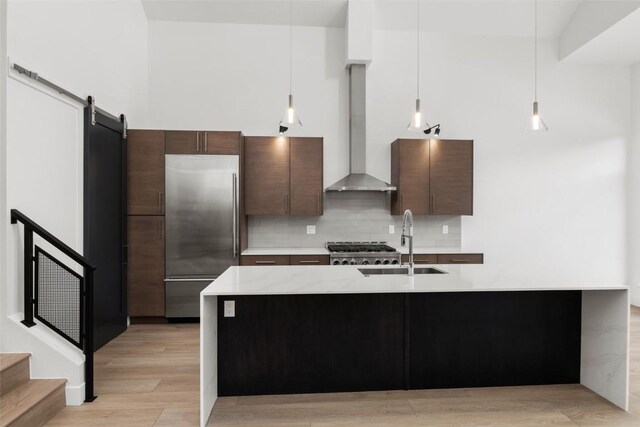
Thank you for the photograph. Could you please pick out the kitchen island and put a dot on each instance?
(299, 329)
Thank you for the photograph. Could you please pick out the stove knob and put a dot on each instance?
(378, 262)
(394, 262)
(336, 262)
(385, 262)
(353, 262)
(345, 262)
(365, 262)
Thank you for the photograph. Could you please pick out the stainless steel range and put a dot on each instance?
(362, 253)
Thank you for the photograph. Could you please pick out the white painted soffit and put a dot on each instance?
(603, 32)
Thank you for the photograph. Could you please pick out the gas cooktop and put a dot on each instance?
(362, 253)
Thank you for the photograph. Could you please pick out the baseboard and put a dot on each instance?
(74, 394)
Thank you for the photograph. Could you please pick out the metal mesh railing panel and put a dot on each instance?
(58, 295)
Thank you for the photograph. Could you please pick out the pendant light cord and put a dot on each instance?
(290, 47)
(535, 54)
(418, 53)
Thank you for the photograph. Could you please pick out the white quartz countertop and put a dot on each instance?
(436, 250)
(324, 251)
(291, 280)
(285, 251)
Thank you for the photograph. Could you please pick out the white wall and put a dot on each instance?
(552, 203)
(543, 203)
(633, 219)
(3, 164)
(90, 48)
(236, 77)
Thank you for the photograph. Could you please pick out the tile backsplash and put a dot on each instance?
(351, 216)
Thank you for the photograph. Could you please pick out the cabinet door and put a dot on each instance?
(309, 259)
(184, 142)
(220, 143)
(306, 176)
(146, 266)
(266, 173)
(264, 260)
(410, 171)
(145, 172)
(451, 181)
(460, 259)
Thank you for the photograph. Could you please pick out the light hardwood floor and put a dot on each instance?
(149, 377)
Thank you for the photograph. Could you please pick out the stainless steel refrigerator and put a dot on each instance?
(202, 227)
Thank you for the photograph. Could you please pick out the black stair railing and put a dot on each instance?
(63, 299)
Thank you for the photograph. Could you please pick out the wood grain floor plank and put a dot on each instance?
(167, 355)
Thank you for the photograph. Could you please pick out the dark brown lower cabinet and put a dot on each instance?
(146, 266)
(421, 258)
(309, 259)
(311, 343)
(264, 260)
(460, 259)
(279, 344)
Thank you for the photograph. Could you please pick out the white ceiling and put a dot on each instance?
(491, 17)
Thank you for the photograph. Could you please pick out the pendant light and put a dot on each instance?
(417, 125)
(536, 124)
(290, 119)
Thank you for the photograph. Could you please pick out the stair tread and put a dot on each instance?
(7, 360)
(18, 401)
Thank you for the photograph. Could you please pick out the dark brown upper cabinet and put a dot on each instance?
(145, 172)
(451, 177)
(266, 173)
(283, 176)
(410, 174)
(203, 142)
(433, 177)
(306, 176)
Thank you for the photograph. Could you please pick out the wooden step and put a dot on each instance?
(14, 371)
(33, 403)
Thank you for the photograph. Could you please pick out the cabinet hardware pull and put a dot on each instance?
(206, 142)
(197, 142)
(160, 228)
(402, 203)
(265, 262)
(309, 262)
(460, 260)
(433, 203)
(160, 201)
(235, 214)
(286, 203)
(318, 202)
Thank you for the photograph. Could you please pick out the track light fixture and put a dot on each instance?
(434, 128)
(282, 129)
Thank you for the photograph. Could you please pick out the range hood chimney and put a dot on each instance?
(358, 179)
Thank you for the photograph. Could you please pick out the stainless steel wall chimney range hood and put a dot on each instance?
(358, 179)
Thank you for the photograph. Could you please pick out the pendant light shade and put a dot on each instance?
(417, 125)
(290, 118)
(536, 123)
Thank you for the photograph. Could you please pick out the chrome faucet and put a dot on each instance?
(407, 219)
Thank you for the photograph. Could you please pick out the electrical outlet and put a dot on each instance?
(392, 229)
(230, 308)
(311, 229)
(445, 229)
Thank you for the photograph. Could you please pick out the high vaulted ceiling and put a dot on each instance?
(492, 17)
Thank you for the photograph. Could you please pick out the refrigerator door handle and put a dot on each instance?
(235, 215)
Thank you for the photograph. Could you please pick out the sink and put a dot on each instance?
(399, 270)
